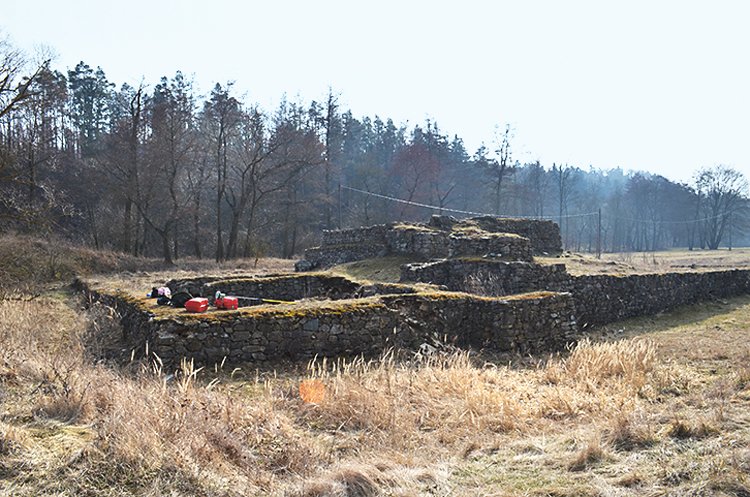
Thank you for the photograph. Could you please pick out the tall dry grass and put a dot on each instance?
(145, 424)
(140, 430)
(452, 397)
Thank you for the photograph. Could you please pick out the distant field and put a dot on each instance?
(652, 262)
(387, 268)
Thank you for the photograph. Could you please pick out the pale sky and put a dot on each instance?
(652, 85)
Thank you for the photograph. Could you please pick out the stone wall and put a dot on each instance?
(358, 236)
(332, 255)
(423, 242)
(419, 241)
(529, 323)
(599, 299)
(289, 287)
(138, 326)
(292, 287)
(503, 245)
(273, 335)
(486, 276)
(544, 235)
(342, 246)
(602, 299)
(195, 286)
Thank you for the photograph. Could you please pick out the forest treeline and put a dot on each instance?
(158, 170)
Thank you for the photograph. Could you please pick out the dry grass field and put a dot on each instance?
(653, 406)
(652, 262)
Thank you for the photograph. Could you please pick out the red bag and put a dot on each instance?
(227, 303)
(198, 304)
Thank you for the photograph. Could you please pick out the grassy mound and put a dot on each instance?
(382, 269)
(26, 262)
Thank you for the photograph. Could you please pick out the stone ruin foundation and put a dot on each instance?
(480, 289)
(338, 317)
(442, 237)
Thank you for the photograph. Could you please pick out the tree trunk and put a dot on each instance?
(127, 226)
(166, 247)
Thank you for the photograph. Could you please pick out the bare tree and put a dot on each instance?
(195, 181)
(27, 141)
(121, 162)
(15, 87)
(721, 191)
(498, 169)
(222, 113)
(169, 155)
(413, 169)
(251, 150)
(292, 149)
(562, 175)
(535, 188)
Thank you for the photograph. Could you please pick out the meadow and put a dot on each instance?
(652, 406)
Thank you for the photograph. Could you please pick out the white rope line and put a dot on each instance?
(458, 211)
(417, 204)
(567, 216)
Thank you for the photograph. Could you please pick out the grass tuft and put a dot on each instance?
(347, 482)
(11, 440)
(682, 430)
(630, 431)
(630, 480)
(590, 455)
(382, 269)
(594, 363)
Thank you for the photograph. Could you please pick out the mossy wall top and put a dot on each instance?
(286, 287)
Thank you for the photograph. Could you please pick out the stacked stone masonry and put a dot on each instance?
(368, 326)
(444, 236)
(287, 287)
(486, 277)
(544, 235)
(602, 299)
(599, 299)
